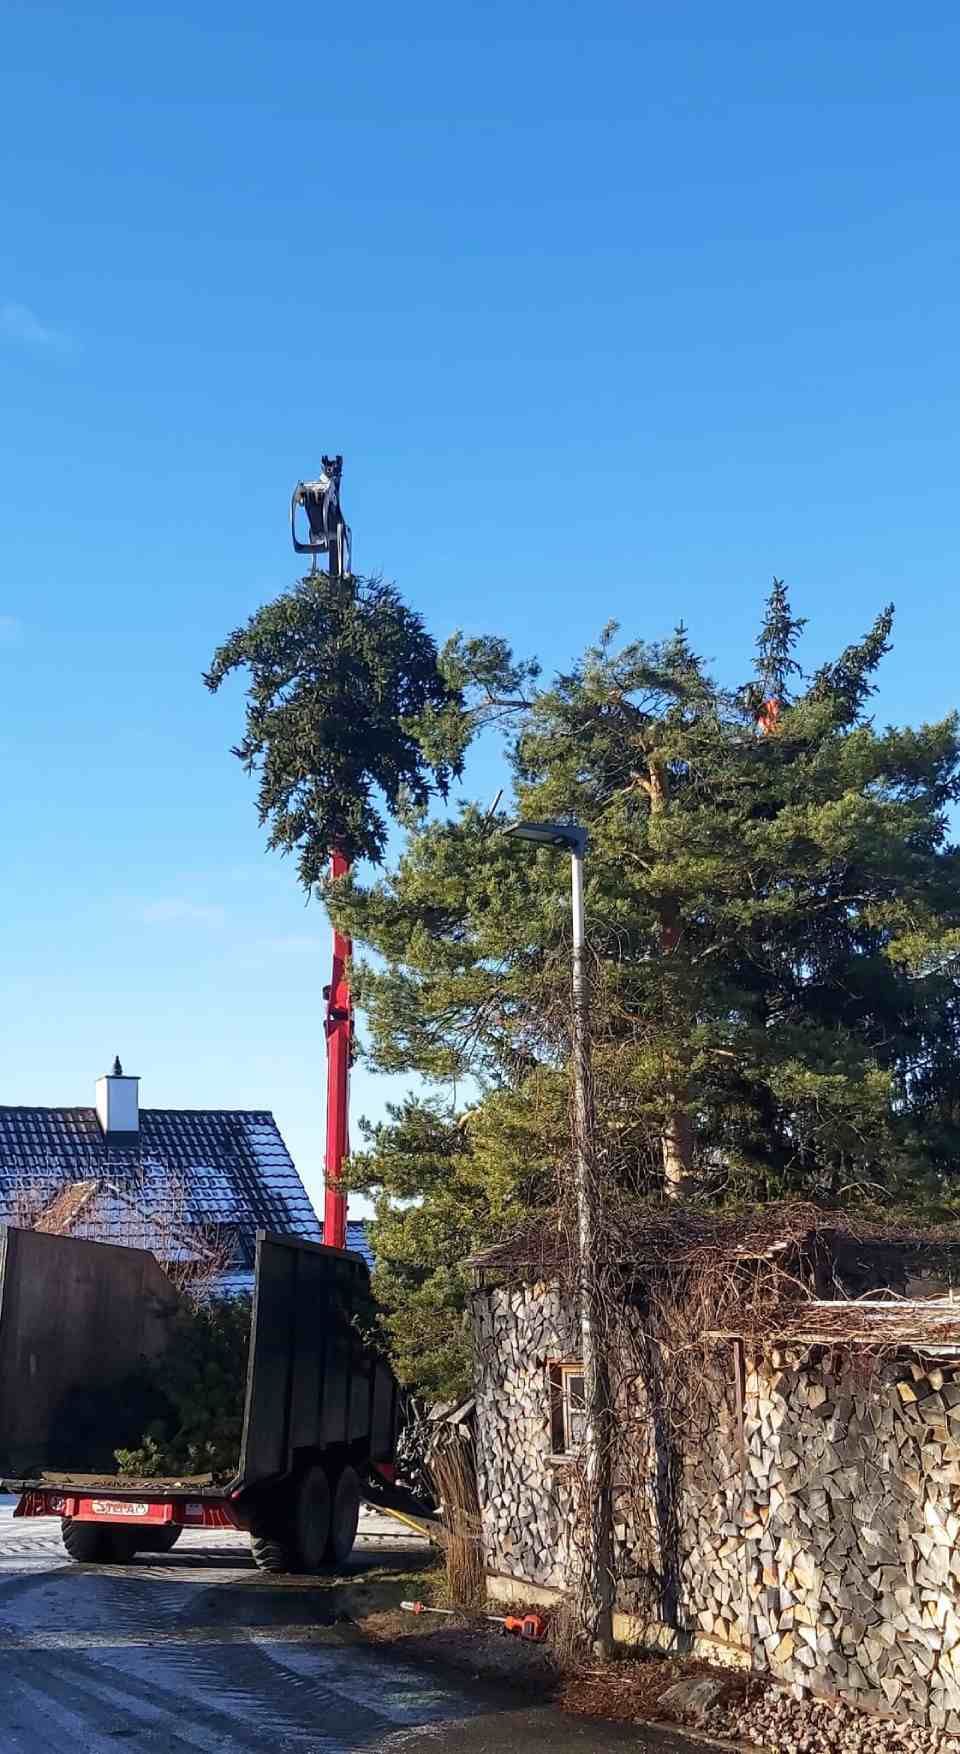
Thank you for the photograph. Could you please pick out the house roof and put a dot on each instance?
(787, 1271)
(142, 1217)
(357, 1239)
(233, 1167)
(903, 1321)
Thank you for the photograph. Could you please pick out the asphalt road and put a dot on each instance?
(197, 1651)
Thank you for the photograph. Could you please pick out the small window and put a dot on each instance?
(568, 1408)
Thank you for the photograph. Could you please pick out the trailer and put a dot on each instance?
(320, 1419)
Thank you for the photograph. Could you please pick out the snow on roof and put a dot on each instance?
(231, 1167)
(149, 1216)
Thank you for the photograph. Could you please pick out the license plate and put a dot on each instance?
(119, 1507)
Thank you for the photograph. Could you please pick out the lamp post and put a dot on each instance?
(597, 1581)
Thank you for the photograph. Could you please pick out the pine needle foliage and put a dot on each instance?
(344, 697)
(198, 1388)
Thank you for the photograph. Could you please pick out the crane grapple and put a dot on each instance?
(327, 529)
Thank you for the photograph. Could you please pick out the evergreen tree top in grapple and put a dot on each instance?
(343, 685)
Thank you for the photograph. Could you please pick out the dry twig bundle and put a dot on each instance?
(454, 1474)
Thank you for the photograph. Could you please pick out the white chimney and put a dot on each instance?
(118, 1104)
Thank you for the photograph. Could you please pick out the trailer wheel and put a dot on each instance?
(123, 1546)
(160, 1540)
(272, 1538)
(312, 1518)
(93, 1544)
(86, 1543)
(346, 1515)
(269, 1554)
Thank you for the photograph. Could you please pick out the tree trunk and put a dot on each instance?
(677, 1138)
(677, 1144)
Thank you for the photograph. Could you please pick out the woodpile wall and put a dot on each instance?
(805, 1517)
(527, 1503)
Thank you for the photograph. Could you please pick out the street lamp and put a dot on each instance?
(571, 837)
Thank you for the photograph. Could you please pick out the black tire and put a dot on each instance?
(270, 1554)
(86, 1543)
(272, 1538)
(123, 1544)
(159, 1540)
(96, 1543)
(345, 1516)
(312, 1518)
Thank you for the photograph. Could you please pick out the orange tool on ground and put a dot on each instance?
(532, 1627)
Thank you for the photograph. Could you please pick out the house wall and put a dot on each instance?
(806, 1521)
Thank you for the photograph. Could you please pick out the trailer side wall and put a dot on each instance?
(74, 1316)
(313, 1383)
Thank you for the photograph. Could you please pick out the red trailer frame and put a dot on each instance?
(187, 1511)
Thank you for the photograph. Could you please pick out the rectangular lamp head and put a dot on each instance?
(570, 836)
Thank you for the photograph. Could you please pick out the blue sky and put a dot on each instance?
(613, 311)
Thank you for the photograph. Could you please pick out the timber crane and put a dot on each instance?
(329, 533)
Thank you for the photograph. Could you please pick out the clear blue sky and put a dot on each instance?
(613, 310)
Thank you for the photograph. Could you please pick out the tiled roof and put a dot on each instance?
(357, 1239)
(153, 1215)
(231, 1167)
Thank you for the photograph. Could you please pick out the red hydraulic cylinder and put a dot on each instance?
(339, 1029)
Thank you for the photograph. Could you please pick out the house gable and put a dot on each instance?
(228, 1172)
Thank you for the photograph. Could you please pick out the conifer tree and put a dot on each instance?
(773, 915)
(773, 907)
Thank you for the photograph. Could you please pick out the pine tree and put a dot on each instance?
(771, 910)
(780, 633)
(773, 913)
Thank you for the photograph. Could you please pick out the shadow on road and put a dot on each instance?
(197, 1652)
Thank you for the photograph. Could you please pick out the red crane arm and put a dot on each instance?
(339, 1031)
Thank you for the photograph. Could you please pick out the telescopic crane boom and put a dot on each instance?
(329, 533)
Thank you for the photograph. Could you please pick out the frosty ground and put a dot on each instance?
(196, 1651)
